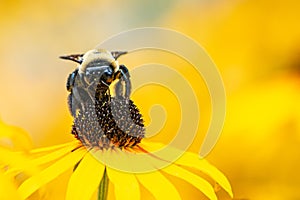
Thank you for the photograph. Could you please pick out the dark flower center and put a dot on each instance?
(108, 123)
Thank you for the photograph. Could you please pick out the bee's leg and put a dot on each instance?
(102, 89)
(124, 82)
(79, 96)
(119, 89)
(74, 98)
(126, 77)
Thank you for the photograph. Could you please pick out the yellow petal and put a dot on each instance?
(30, 164)
(11, 158)
(7, 188)
(15, 161)
(151, 146)
(198, 182)
(38, 180)
(193, 160)
(54, 155)
(158, 185)
(125, 184)
(52, 148)
(86, 179)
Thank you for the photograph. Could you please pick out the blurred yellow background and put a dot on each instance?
(255, 44)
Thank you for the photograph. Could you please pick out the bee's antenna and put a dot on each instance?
(74, 57)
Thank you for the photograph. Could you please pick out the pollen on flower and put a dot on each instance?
(108, 123)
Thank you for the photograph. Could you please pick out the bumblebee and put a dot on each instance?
(90, 81)
(101, 120)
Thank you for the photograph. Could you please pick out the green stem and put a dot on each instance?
(103, 187)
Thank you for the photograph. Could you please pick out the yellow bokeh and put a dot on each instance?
(255, 45)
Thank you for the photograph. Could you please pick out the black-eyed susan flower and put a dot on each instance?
(110, 145)
(126, 163)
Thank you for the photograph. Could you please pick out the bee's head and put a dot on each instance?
(96, 58)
